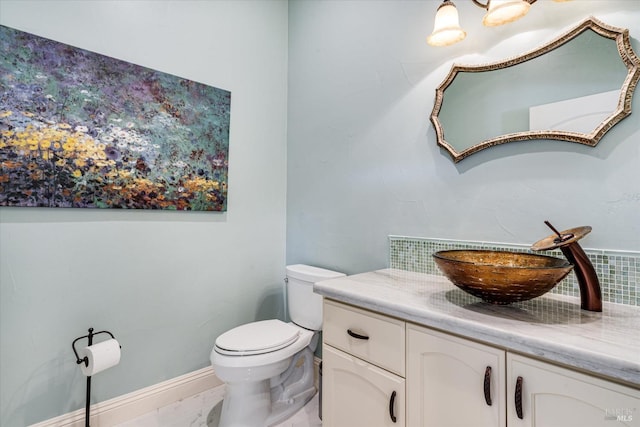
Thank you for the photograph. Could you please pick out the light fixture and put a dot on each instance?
(504, 11)
(447, 30)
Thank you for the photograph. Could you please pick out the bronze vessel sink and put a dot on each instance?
(501, 277)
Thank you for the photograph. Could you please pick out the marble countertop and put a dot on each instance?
(552, 327)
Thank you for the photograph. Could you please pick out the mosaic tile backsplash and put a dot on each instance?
(618, 271)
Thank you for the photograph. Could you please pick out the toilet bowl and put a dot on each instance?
(268, 365)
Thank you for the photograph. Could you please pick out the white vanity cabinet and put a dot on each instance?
(363, 363)
(540, 394)
(453, 381)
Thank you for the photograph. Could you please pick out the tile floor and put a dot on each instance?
(203, 410)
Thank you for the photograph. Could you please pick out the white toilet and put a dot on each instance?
(268, 365)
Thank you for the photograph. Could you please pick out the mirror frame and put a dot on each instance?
(628, 56)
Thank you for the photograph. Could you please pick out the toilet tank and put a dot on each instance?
(305, 307)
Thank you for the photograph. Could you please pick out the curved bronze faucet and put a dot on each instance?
(567, 241)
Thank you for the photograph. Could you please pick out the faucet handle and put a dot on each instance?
(560, 239)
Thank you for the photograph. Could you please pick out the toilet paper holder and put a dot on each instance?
(85, 360)
(90, 336)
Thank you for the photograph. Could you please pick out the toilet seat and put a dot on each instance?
(257, 338)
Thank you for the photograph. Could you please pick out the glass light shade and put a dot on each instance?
(446, 28)
(505, 11)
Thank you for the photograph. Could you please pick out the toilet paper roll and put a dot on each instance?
(101, 356)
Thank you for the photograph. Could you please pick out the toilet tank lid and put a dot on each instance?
(311, 274)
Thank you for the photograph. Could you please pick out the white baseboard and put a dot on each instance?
(132, 405)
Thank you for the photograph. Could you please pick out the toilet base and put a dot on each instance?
(245, 404)
(283, 410)
(269, 402)
(295, 388)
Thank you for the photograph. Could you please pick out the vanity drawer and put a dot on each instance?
(375, 338)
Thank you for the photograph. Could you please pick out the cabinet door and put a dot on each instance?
(447, 378)
(552, 396)
(358, 394)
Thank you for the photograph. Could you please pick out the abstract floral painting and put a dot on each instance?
(79, 129)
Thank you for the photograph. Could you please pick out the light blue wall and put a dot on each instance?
(165, 283)
(362, 156)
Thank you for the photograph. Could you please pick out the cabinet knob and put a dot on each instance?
(356, 335)
(487, 385)
(391, 406)
(518, 398)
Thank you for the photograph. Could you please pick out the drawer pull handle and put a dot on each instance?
(358, 336)
(487, 385)
(518, 397)
(391, 405)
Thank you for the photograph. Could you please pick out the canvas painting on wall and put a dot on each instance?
(79, 129)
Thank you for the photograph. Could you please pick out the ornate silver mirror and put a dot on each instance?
(574, 88)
